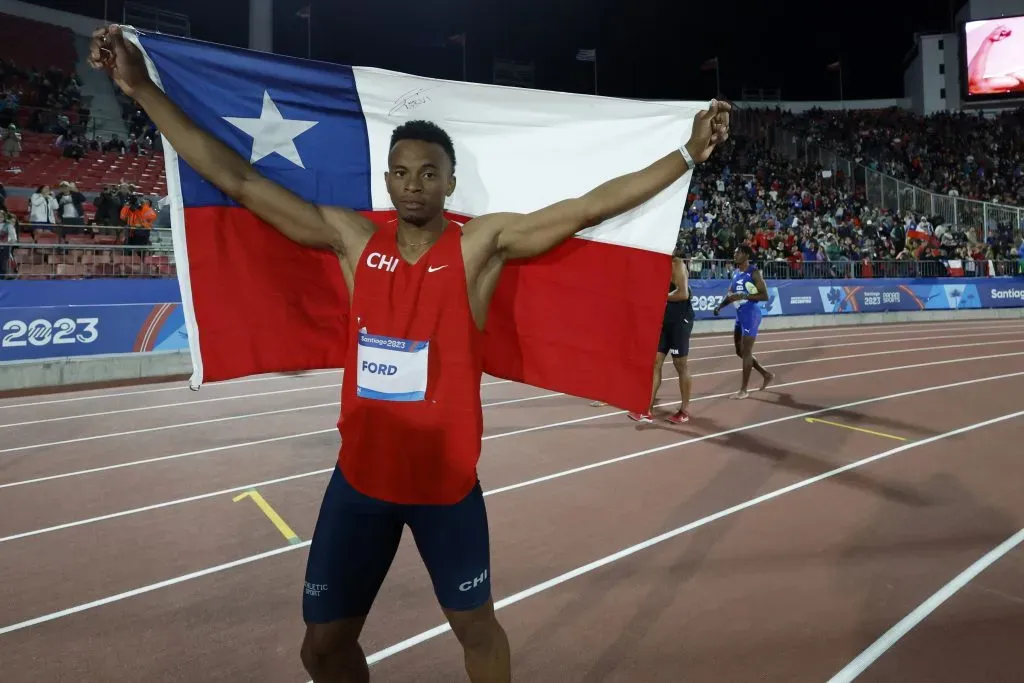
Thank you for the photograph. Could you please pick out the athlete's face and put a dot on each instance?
(419, 178)
(739, 257)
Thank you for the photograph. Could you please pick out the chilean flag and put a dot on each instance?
(583, 319)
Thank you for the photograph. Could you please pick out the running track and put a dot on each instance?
(733, 548)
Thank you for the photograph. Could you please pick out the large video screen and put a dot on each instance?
(993, 54)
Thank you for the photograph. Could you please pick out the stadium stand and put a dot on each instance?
(807, 213)
(98, 222)
(961, 154)
(809, 219)
(42, 97)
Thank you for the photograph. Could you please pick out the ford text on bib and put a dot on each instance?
(391, 369)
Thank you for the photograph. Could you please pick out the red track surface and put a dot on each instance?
(790, 588)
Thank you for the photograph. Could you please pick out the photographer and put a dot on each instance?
(108, 207)
(139, 216)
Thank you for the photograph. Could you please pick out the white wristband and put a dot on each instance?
(686, 157)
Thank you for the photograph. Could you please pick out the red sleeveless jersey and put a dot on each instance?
(411, 418)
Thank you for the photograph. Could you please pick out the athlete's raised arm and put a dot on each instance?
(977, 81)
(527, 235)
(297, 219)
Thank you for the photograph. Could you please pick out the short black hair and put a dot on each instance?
(425, 131)
(745, 248)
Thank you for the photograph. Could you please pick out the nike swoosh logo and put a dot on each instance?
(432, 269)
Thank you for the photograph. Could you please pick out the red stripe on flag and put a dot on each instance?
(583, 319)
(262, 302)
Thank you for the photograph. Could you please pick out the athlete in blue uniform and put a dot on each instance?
(748, 287)
(676, 327)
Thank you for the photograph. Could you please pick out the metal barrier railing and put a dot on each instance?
(95, 233)
(722, 269)
(82, 260)
(897, 195)
(79, 261)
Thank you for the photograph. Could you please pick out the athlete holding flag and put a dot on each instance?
(408, 457)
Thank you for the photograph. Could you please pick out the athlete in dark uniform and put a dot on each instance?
(675, 341)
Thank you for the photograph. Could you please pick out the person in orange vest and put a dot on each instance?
(139, 216)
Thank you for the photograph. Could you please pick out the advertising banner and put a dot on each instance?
(52, 319)
(811, 297)
(59, 331)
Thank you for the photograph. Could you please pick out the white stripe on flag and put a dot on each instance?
(519, 150)
(178, 239)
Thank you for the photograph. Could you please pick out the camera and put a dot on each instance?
(134, 201)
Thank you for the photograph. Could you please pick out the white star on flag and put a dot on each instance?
(271, 132)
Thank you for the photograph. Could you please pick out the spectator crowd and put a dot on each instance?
(955, 153)
(803, 221)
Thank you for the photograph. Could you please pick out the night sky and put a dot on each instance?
(646, 48)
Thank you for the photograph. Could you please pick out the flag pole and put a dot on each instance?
(595, 70)
(464, 36)
(718, 79)
(842, 100)
(306, 13)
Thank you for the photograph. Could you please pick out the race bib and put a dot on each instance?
(391, 369)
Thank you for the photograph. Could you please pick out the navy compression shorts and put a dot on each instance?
(356, 538)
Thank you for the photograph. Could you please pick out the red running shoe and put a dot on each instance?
(680, 417)
(641, 417)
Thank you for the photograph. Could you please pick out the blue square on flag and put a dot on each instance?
(299, 122)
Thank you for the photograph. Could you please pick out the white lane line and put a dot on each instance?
(736, 430)
(509, 401)
(890, 637)
(522, 595)
(149, 589)
(898, 328)
(210, 421)
(644, 545)
(763, 352)
(168, 405)
(862, 343)
(878, 330)
(138, 392)
(1007, 329)
(163, 427)
(884, 328)
(175, 456)
(837, 336)
(163, 458)
(218, 399)
(165, 504)
(600, 416)
(538, 480)
(887, 352)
